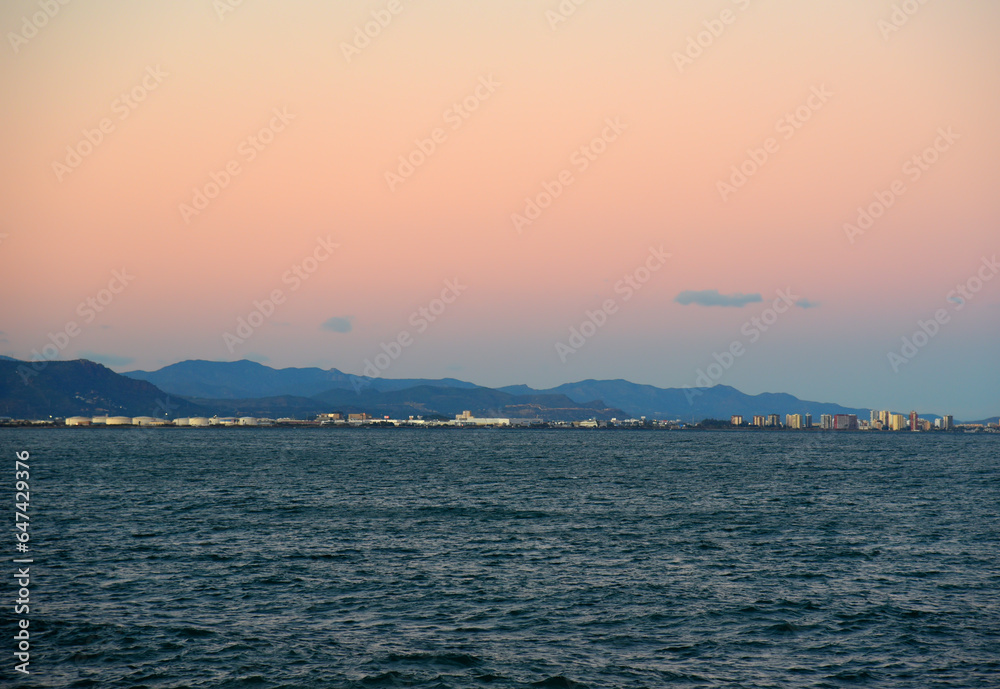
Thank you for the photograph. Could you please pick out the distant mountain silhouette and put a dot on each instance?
(428, 401)
(81, 387)
(719, 402)
(483, 402)
(206, 388)
(248, 379)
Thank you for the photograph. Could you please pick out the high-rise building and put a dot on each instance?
(914, 421)
(845, 422)
(807, 421)
(897, 422)
(947, 422)
(826, 422)
(735, 420)
(880, 419)
(773, 420)
(793, 421)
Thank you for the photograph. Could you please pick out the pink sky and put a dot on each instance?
(211, 82)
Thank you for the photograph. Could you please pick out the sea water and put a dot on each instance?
(260, 558)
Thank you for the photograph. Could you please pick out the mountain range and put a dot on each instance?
(69, 388)
(240, 381)
(206, 388)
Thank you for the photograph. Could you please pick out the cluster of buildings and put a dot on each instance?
(334, 419)
(153, 421)
(467, 420)
(464, 420)
(879, 421)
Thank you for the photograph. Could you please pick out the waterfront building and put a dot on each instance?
(467, 419)
(845, 422)
(223, 421)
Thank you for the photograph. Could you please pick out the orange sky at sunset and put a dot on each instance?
(825, 104)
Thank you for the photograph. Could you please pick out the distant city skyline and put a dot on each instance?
(778, 197)
(215, 380)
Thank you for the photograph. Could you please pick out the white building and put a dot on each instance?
(467, 419)
(224, 421)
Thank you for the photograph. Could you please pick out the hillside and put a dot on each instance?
(81, 387)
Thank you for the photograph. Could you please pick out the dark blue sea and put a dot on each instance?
(264, 558)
